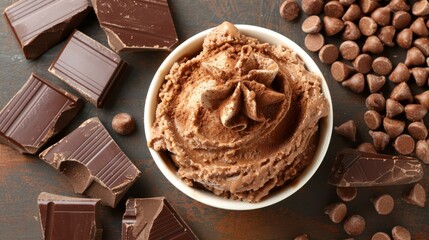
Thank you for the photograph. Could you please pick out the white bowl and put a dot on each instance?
(193, 46)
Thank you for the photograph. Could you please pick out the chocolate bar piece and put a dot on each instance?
(39, 24)
(69, 218)
(359, 169)
(37, 112)
(153, 218)
(93, 162)
(136, 25)
(88, 67)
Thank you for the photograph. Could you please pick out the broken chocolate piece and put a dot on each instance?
(153, 218)
(69, 218)
(37, 112)
(38, 25)
(88, 67)
(93, 162)
(358, 169)
(136, 25)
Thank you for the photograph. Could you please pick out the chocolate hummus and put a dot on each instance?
(241, 117)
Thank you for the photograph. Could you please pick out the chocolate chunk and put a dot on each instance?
(400, 74)
(423, 45)
(404, 144)
(353, 13)
(153, 218)
(366, 147)
(359, 169)
(414, 57)
(38, 111)
(312, 24)
(416, 196)
(399, 5)
(423, 98)
(367, 26)
(382, 66)
(136, 25)
(93, 162)
(421, 75)
(123, 123)
(347, 129)
(384, 204)
(314, 41)
(418, 130)
(88, 67)
(386, 35)
(415, 112)
(401, 20)
(354, 225)
(302, 237)
(332, 25)
(333, 9)
(69, 218)
(419, 27)
(341, 71)
(312, 7)
(38, 25)
(346, 194)
(368, 6)
(402, 92)
(393, 127)
(381, 16)
(373, 45)
(393, 108)
(336, 212)
(363, 63)
(380, 236)
(375, 101)
(420, 8)
(349, 50)
(351, 31)
(422, 151)
(355, 83)
(375, 83)
(372, 119)
(405, 38)
(289, 10)
(400, 233)
(328, 54)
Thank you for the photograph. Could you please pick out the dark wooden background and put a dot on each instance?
(22, 178)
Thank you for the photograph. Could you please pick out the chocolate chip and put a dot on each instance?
(363, 63)
(384, 204)
(423, 45)
(328, 54)
(351, 31)
(332, 25)
(372, 119)
(312, 24)
(333, 9)
(386, 35)
(417, 196)
(401, 20)
(373, 45)
(341, 71)
(354, 225)
(356, 83)
(405, 38)
(380, 236)
(353, 13)
(421, 75)
(423, 99)
(420, 8)
(393, 127)
(419, 27)
(366, 147)
(336, 211)
(367, 26)
(380, 139)
(375, 83)
(347, 129)
(393, 108)
(346, 3)
(376, 102)
(400, 74)
(123, 123)
(312, 7)
(415, 112)
(349, 50)
(346, 194)
(414, 57)
(289, 10)
(404, 144)
(400, 233)
(399, 5)
(422, 151)
(402, 92)
(382, 66)
(302, 237)
(381, 16)
(368, 6)
(418, 130)
(314, 41)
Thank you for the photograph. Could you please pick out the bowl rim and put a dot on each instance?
(207, 197)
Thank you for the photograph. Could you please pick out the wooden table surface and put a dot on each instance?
(22, 178)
